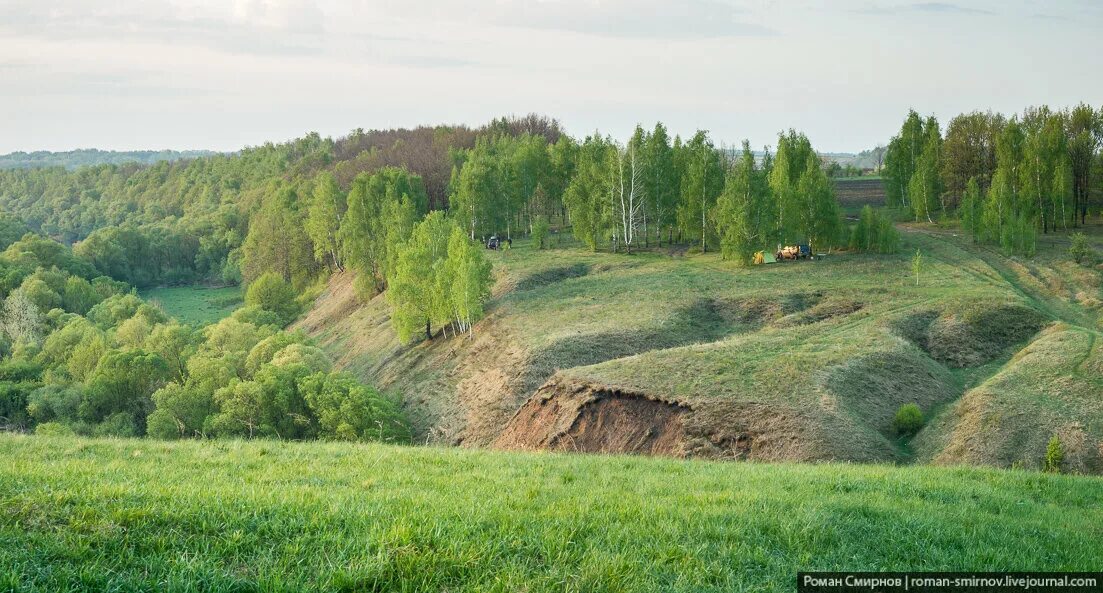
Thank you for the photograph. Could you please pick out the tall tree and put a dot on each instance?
(414, 285)
(743, 213)
(380, 207)
(660, 180)
(793, 158)
(969, 151)
(1084, 127)
(902, 158)
(701, 172)
(629, 194)
(587, 195)
(925, 186)
(323, 221)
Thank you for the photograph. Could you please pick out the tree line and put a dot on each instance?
(1007, 177)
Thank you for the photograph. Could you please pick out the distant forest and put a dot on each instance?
(72, 159)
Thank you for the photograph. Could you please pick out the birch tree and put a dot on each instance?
(627, 194)
(701, 175)
(743, 212)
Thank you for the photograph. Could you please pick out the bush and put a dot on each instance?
(1055, 456)
(908, 420)
(53, 429)
(257, 316)
(1080, 249)
(540, 232)
(874, 233)
(272, 293)
(120, 424)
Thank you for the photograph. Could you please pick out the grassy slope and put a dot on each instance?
(819, 341)
(196, 305)
(138, 515)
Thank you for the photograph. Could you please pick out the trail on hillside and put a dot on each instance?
(1051, 305)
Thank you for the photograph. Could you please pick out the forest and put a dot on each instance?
(1007, 178)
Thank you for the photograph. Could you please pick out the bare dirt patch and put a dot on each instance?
(584, 418)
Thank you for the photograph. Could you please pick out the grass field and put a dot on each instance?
(195, 305)
(130, 515)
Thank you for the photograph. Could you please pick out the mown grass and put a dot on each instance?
(195, 305)
(130, 515)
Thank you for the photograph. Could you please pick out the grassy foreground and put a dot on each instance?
(131, 515)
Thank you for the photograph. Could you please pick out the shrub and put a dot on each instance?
(257, 316)
(272, 293)
(1081, 249)
(120, 424)
(1055, 456)
(908, 420)
(540, 232)
(874, 233)
(54, 429)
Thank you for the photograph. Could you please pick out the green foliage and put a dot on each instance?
(270, 292)
(1055, 456)
(925, 189)
(744, 214)
(257, 316)
(181, 412)
(382, 210)
(277, 243)
(143, 257)
(121, 387)
(805, 204)
(1081, 249)
(908, 420)
(53, 429)
(55, 403)
(14, 397)
(540, 232)
(586, 195)
(874, 233)
(440, 277)
(901, 159)
(701, 173)
(327, 206)
(349, 411)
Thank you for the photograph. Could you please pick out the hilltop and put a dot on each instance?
(687, 355)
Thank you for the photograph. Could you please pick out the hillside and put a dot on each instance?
(96, 515)
(680, 355)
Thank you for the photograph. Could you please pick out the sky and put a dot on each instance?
(224, 74)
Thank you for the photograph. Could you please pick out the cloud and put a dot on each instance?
(928, 7)
(947, 7)
(246, 26)
(652, 19)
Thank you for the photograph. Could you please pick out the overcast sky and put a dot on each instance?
(222, 74)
